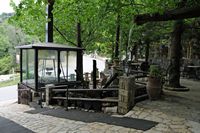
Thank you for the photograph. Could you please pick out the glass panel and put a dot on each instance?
(28, 74)
(72, 65)
(47, 67)
(24, 65)
(63, 66)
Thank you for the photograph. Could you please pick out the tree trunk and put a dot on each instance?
(117, 37)
(79, 54)
(174, 70)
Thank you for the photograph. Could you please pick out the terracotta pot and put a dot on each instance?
(154, 86)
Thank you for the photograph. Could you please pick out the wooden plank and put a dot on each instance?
(75, 90)
(59, 90)
(110, 89)
(141, 76)
(59, 98)
(87, 99)
(141, 96)
(138, 82)
(93, 99)
(175, 14)
(140, 87)
(138, 71)
(79, 90)
(59, 86)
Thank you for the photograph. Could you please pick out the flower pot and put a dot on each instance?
(154, 86)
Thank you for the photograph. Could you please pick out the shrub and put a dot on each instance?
(6, 64)
(155, 71)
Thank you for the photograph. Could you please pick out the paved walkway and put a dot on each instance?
(174, 114)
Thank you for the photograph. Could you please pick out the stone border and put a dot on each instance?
(175, 89)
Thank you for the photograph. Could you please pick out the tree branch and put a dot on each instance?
(63, 35)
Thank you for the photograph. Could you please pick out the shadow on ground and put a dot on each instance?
(8, 126)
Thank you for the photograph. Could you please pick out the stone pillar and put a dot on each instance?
(24, 94)
(48, 91)
(126, 94)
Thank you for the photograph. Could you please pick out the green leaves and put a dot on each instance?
(98, 20)
(10, 37)
(155, 71)
(5, 64)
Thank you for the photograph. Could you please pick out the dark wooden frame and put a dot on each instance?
(47, 46)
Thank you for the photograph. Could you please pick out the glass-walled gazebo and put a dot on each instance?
(47, 63)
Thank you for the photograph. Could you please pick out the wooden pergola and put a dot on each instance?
(177, 14)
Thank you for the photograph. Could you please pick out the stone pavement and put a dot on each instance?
(175, 114)
(47, 124)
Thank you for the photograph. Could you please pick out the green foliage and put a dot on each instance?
(98, 20)
(5, 64)
(155, 71)
(10, 37)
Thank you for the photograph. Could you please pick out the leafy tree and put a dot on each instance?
(5, 64)
(10, 37)
(98, 20)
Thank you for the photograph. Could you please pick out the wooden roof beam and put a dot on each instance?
(176, 14)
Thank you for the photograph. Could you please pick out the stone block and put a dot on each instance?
(122, 110)
(123, 98)
(126, 94)
(48, 91)
(24, 94)
(123, 104)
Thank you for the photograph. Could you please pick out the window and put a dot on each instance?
(47, 67)
(28, 73)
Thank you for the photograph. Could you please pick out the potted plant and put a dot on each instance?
(116, 62)
(154, 84)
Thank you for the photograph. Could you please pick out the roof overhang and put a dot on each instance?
(50, 46)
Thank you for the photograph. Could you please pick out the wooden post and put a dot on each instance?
(190, 55)
(21, 73)
(36, 70)
(94, 74)
(79, 55)
(66, 102)
(147, 51)
(58, 70)
(49, 24)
